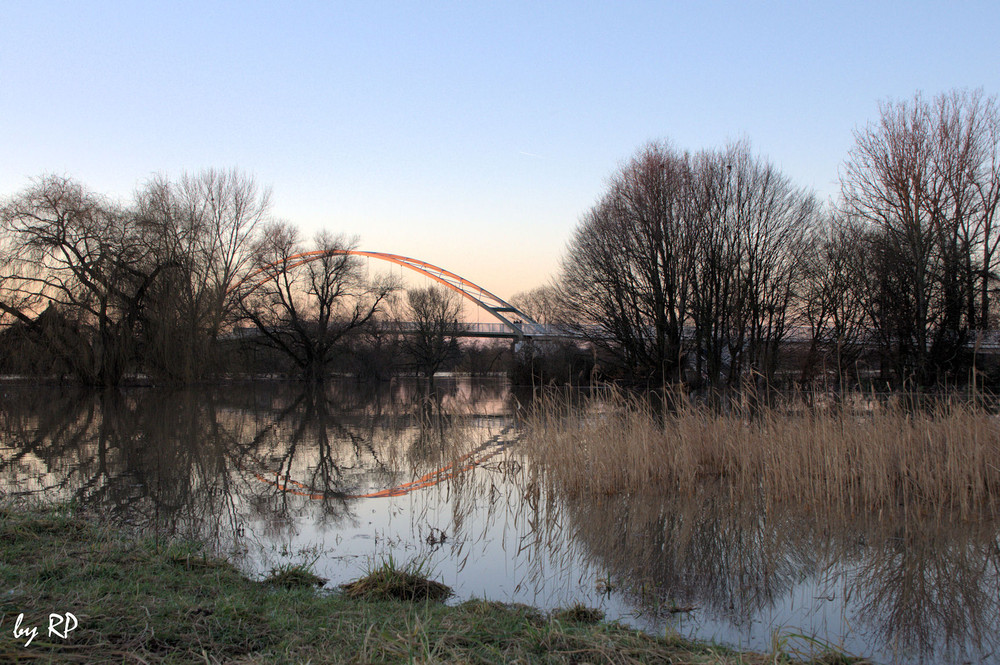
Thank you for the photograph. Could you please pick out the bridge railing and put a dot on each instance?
(492, 329)
(983, 340)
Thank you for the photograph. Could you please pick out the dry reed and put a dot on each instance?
(855, 457)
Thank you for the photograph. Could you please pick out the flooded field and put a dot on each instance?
(343, 477)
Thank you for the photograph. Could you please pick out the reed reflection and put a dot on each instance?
(694, 550)
(923, 589)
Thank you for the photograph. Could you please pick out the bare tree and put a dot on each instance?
(690, 256)
(831, 299)
(543, 304)
(926, 180)
(17, 352)
(628, 263)
(89, 262)
(376, 352)
(433, 343)
(15, 297)
(304, 305)
(206, 225)
(764, 221)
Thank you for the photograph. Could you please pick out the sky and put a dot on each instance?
(471, 135)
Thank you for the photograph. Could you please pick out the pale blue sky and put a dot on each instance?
(471, 135)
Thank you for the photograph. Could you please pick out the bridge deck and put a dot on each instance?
(989, 341)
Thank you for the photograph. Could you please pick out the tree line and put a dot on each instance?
(711, 268)
(705, 266)
(194, 279)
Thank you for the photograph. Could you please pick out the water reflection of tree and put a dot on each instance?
(433, 421)
(189, 462)
(691, 550)
(932, 587)
(148, 459)
(315, 441)
(929, 587)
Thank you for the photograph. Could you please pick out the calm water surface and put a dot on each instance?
(348, 475)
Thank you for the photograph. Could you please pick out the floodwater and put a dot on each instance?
(346, 476)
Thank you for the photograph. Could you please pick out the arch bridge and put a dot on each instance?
(512, 322)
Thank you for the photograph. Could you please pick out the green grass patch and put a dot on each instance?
(137, 601)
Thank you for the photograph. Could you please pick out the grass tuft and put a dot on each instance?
(294, 577)
(579, 614)
(389, 581)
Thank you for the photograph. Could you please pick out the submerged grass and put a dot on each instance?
(860, 456)
(140, 602)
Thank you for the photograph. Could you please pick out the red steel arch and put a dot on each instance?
(493, 304)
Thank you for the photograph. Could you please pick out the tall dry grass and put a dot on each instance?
(858, 456)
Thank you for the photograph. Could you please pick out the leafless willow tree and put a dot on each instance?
(304, 308)
(16, 303)
(109, 288)
(91, 265)
(15, 297)
(925, 179)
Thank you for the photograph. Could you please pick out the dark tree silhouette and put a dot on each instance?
(304, 308)
(433, 344)
(90, 261)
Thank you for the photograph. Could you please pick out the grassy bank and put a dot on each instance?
(857, 456)
(137, 601)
